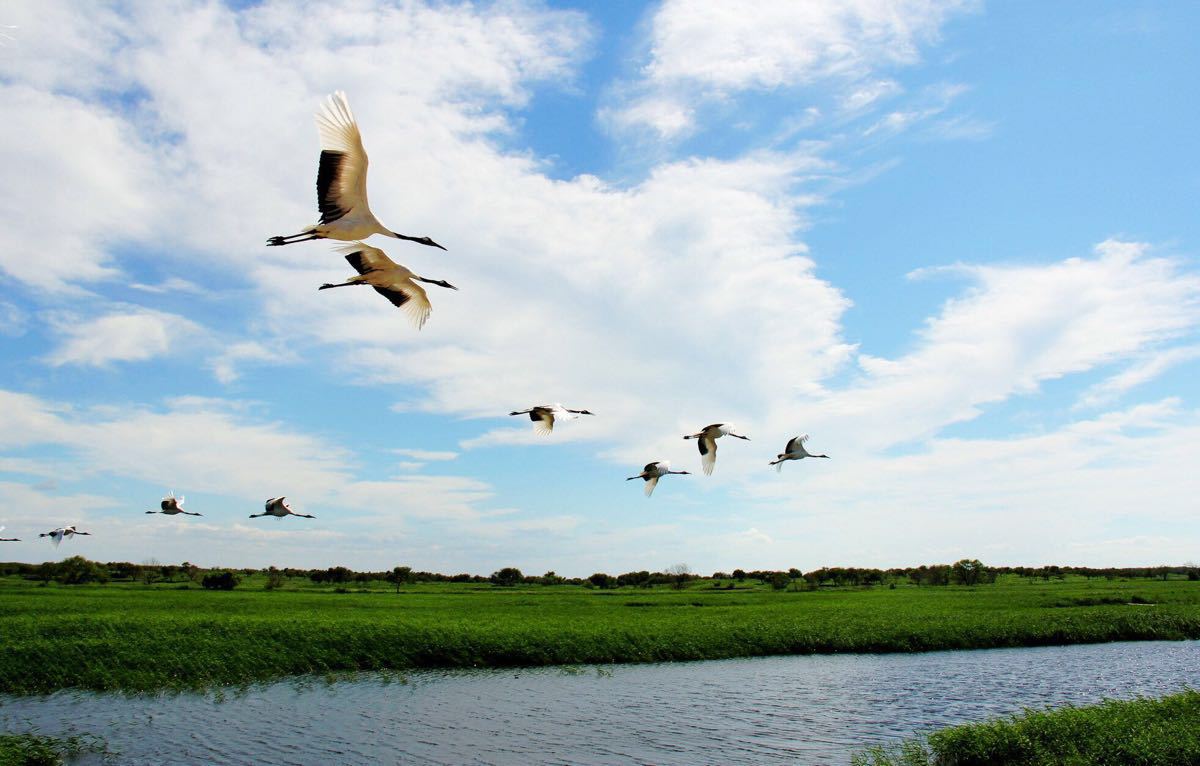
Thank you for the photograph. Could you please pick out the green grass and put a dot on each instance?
(38, 750)
(134, 637)
(1142, 732)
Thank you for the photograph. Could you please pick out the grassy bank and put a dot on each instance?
(138, 637)
(38, 750)
(1148, 732)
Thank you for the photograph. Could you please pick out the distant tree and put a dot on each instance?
(640, 579)
(507, 577)
(602, 580)
(274, 579)
(150, 572)
(969, 572)
(780, 580)
(794, 573)
(739, 574)
(720, 575)
(190, 570)
(550, 578)
(679, 574)
(399, 576)
(220, 581)
(77, 571)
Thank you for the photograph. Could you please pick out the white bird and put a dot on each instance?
(653, 472)
(342, 183)
(390, 279)
(544, 415)
(57, 535)
(277, 508)
(172, 505)
(793, 451)
(9, 539)
(708, 443)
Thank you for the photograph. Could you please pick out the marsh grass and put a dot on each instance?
(32, 749)
(1146, 732)
(139, 638)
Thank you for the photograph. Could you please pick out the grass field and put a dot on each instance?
(137, 637)
(1162, 732)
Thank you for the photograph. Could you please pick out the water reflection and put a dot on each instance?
(786, 710)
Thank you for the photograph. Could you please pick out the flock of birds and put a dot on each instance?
(345, 216)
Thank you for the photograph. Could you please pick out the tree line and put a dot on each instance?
(77, 570)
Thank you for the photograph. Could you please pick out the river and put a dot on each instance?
(769, 710)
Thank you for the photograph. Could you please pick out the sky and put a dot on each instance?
(954, 241)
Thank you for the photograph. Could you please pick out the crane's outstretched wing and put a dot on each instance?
(796, 444)
(407, 295)
(651, 483)
(708, 453)
(342, 172)
(365, 258)
(543, 420)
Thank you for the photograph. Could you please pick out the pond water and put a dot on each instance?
(771, 710)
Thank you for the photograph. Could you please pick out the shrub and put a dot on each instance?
(274, 579)
(220, 581)
(77, 570)
(602, 580)
(507, 577)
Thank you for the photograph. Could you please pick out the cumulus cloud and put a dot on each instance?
(699, 51)
(85, 185)
(132, 335)
(1016, 327)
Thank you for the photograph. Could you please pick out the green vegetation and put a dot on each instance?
(172, 633)
(1163, 732)
(37, 750)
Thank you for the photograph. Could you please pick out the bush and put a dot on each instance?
(274, 579)
(507, 577)
(220, 581)
(77, 570)
(602, 580)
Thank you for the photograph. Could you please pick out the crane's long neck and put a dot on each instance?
(347, 283)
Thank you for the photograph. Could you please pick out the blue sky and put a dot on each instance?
(954, 241)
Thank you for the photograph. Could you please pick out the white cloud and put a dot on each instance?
(85, 186)
(1142, 370)
(219, 451)
(426, 454)
(133, 335)
(225, 365)
(1025, 499)
(170, 285)
(1016, 327)
(701, 51)
(12, 320)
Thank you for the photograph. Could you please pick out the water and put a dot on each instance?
(774, 710)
